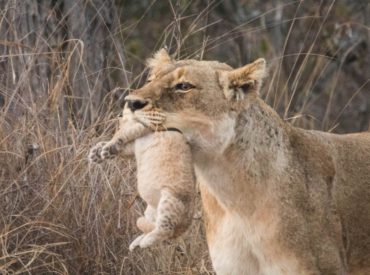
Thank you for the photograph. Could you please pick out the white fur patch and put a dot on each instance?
(243, 248)
(216, 139)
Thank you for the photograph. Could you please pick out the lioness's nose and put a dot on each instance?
(136, 104)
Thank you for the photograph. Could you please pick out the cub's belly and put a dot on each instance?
(147, 185)
(149, 172)
(238, 247)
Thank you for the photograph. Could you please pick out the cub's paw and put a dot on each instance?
(95, 153)
(136, 242)
(109, 151)
(149, 240)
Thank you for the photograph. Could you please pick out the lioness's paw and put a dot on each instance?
(109, 151)
(95, 153)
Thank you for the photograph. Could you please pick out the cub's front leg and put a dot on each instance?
(121, 138)
(95, 152)
(112, 148)
(128, 131)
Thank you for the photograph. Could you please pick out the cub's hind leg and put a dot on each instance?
(147, 223)
(170, 213)
(135, 243)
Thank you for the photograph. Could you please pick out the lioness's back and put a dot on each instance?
(351, 189)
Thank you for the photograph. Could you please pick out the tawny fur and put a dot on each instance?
(165, 176)
(277, 199)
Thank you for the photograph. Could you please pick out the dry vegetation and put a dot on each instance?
(60, 215)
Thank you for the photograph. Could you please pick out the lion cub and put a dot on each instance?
(165, 176)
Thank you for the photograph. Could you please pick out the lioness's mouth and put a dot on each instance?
(173, 129)
(151, 119)
(154, 120)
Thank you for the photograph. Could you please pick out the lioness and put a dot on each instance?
(165, 173)
(277, 199)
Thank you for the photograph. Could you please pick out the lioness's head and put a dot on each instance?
(189, 95)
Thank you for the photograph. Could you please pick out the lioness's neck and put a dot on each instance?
(254, 157)
(261, 141)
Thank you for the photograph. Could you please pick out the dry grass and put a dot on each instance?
(61, 215)
(58, 214)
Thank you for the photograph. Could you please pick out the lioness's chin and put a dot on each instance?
(209, 135)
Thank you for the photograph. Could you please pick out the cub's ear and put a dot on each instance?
(160, 58)
(248, 79)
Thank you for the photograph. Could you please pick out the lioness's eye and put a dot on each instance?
(184, 86)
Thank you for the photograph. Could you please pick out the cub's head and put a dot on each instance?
(189, 94)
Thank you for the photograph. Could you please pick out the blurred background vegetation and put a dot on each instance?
(64, 68)
(318, 51)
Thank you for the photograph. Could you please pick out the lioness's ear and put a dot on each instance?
(160, 58)
(247, 79)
